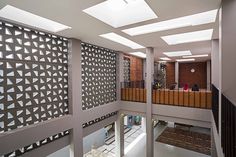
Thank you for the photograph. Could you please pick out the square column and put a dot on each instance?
(75, 97)
(149, 81)
(119, 135)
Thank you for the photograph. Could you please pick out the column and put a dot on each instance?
(143, 124)
(149, 126)
(119, 135)
(75, 97)
(177, 74)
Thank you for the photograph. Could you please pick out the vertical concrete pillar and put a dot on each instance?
(143, 124)
(119, 135)
(177, 74)
(75, 97)
(149, 124)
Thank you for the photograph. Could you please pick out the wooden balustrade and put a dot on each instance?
(196, 99)
(134, 94)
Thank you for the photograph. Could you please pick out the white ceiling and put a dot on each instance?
(88, 29)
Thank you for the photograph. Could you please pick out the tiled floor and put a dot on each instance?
(164, 150)
(160, 149)
(129, 138)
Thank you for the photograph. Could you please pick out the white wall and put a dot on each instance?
(215, 58)
(97, 139)
(229, 49)
(64, 152)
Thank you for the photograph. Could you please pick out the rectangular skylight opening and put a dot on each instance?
(196, 56)
(165, 58)
(139, 54)
(185, 60)
(192, 20)
(121, 40)
(118, 13)
(196, 36)
(23, 17)
(177, 53)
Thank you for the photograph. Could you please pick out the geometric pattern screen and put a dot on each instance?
(37, 144)
(126, 63)
(33, 76)
(98, 76)
(99, 119)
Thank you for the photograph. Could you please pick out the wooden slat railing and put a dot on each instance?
(196, 99)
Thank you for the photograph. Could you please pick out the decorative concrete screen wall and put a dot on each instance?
(37, 144)
(98, 76)
(33, 80)
(99, 119)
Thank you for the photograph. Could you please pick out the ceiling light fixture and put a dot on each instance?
(177, 53)
(185, 60)
(121, 40)
(192, 20)
(165, 58)
(196, 56)
(139, 54)
(118, 13)
(202, 35)
(23, 17)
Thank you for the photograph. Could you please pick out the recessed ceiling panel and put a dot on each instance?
(191, 20)
(189, 37)
(117, 13)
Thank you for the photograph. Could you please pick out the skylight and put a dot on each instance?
(139, 54)
(202, 35)
(196, 56)
(185, 60)
(121, 40)
(17, 15)
(177, 53)
(117, 13)
(165, 58)
(192, 20)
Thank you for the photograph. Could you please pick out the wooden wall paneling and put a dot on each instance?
(203, 99)
(186, 98)
(209, 100)
(137, 94)
(176, 97)
(154, 96)
(141, 95)
(134, 94)
(122, 93)
(191, 99)
(181, 98)
(162, 95)
(166, 96)
(171, 97)
(197, 99)
(158, 96)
